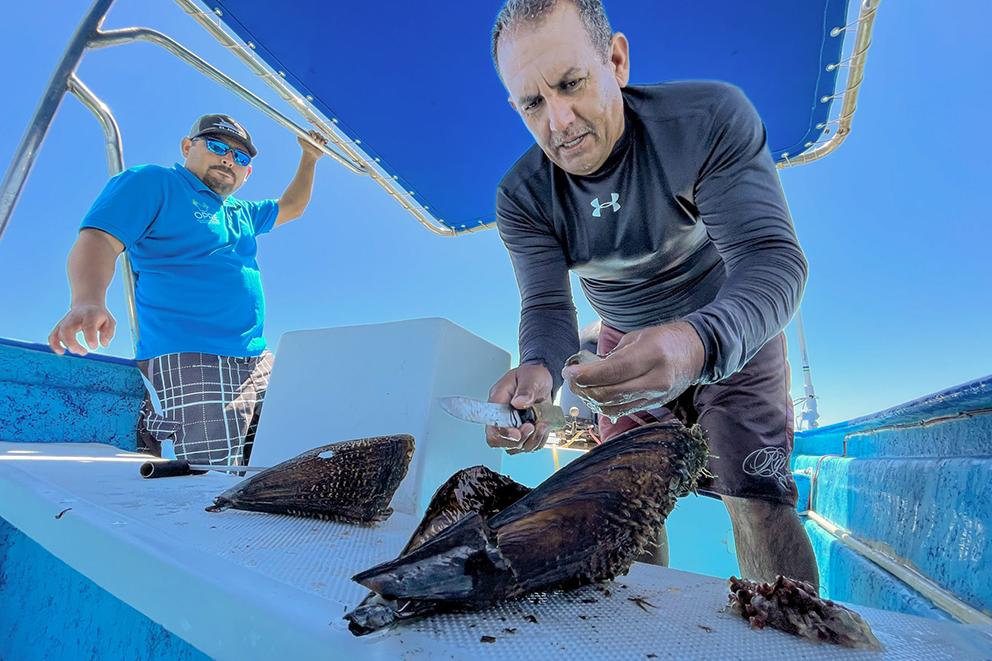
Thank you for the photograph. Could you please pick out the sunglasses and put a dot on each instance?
(221, 149)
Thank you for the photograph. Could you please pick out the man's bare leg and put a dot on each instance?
(657, 555)
(770, 541)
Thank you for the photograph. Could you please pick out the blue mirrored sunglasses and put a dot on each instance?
(216, 146)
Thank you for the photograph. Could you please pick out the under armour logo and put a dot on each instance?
(598, 208)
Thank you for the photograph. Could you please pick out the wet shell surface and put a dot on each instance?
(351, 481)
(476, 490)
(588, 522)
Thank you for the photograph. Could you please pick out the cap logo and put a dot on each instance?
(221, 124)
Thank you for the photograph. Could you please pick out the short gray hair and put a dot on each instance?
(519, 12)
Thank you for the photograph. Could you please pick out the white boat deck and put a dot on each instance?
(251, 585)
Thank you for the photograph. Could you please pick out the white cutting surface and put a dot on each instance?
(243, 585)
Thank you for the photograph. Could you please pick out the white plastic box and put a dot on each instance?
(337, 384)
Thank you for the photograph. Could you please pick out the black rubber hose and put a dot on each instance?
(153, 469)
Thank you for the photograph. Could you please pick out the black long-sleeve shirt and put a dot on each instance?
(686, 220)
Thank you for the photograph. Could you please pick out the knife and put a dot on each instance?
(503, 415)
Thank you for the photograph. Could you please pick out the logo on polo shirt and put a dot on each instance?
(598, 208)
(203, 214)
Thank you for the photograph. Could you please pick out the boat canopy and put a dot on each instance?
(411, 91)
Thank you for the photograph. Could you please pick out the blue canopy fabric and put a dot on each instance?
(414, 82)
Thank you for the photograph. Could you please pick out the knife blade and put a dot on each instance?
(502, 415)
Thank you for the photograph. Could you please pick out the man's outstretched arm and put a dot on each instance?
(296, 197)
(91, 268)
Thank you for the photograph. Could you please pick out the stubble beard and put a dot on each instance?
(219, 183)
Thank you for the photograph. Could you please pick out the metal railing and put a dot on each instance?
(855, 76)
(115, 164)
(27, 151)
(129, 35)
(905, 572)
(328, 126)
(809, 415)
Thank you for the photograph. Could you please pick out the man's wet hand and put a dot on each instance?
(94, 321)
(647, 369)
(521, 388)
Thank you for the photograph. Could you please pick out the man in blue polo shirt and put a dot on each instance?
(198, 290)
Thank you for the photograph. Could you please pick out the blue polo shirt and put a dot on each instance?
(197, 284)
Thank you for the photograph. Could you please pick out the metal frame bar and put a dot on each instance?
(210, 21)
(901, 569)
(810, 412)
(128, 35)
(198, 10)
(115, 165)
(111, 131)
(24, 158)
(855, 76)
(65, 80)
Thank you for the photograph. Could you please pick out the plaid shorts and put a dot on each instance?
(208, 405)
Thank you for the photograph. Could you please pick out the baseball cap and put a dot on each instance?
(223, 125)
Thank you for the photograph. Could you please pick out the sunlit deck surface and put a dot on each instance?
(242, 583)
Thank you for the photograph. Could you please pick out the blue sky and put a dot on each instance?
(895, 224)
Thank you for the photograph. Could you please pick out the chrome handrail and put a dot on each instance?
(855, 76)
(27, 151)
(327, 126)
(903, 570)
(115, 164)
(103, 39)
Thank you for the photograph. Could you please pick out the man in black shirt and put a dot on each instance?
(665, 201)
